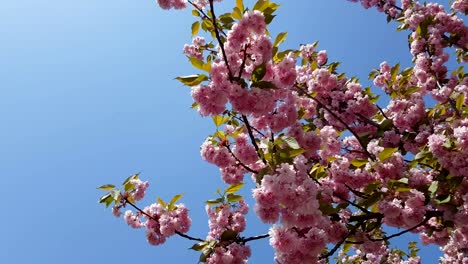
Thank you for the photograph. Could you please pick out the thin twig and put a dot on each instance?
(240, 162)
(341, 121)
(252, 138)
(245, 240)
(221, 44)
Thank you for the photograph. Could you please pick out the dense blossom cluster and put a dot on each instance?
(159, 221)
(330, 166)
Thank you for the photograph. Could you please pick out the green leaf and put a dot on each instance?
(129, 186)
(215, 201)
(192, 80)
(106, 199)
(459, 102)
(133, 177)
(295, 152)
(258, 73)
(433, 188)
(442, 199)
(199, 246)
(195, 28)
(240, 5)
(234, 187)
(106, 187)
(280, 38)
(359, 163)
(292, 142)
(199, 64)
(237, 13)
(115, 194)
(233, 198)
(205, 254)
(263, 85)
(394, 71)
(175, 199)
(228, 235)
(421, 155)
(161, 202)
(217, 120)
(261, 5)
(195, 13)
(387, 153)
(347, 247)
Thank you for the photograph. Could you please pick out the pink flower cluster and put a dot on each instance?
(140, 189)
(195, 49)
(226, 217)
(233, 253)
(452, 156)
(159, 222)
(176, 4)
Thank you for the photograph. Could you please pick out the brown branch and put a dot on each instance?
(245, 240)
(240, 162)
(429, 215)
(341, 121)
(242, 67)
(221, 44)
(205, 16)
(252, 138)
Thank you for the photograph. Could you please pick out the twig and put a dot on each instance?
(252, 138)
(245, 240)
(341, 121)
(240, 162)
(221, 44)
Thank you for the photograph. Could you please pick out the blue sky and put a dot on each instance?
(88, 96)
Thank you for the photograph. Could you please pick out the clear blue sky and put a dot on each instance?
(88, 96)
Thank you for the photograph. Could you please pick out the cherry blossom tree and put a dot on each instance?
(332, 166)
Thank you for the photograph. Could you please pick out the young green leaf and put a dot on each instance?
(175, 199)
(258, 73)
(280, 38)
(234, 187)
(387, 153)
(192, 80)
(195, 28)
(106, 187)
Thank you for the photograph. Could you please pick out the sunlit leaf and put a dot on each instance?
(387, 153)
(234, 187)
(280, 38)
(106, 187)
(195, 28)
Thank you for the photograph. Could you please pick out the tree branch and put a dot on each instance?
(220, 42)
(341, 121)
(245, 240)
(240, 162)
(252, 138)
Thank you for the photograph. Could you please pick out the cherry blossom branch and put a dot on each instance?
(154, 219)
(205, 16)
(429, 215)
(240, 162)
(341, 121)
(338, 245)
(252, 138)
(245, 240)
(382, 111)
(243, 62)
(218, 37)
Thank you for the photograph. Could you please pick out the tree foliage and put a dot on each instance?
(331, 165)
